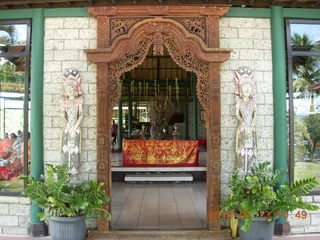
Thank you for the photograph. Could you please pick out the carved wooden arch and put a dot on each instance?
(128, 51)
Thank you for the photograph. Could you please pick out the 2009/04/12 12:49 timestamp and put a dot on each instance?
(262, 214)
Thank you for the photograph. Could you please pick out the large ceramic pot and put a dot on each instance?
(67, 228)
(260, 229)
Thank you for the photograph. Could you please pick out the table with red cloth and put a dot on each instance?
(160, 153)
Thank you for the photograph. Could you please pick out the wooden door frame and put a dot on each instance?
(191, 36)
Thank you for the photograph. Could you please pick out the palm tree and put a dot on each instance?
(8, 34)
(306, 69)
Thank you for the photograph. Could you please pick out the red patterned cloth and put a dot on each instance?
(4, 173)
(160, 153)
(202, 142)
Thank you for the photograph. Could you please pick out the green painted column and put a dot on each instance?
(36, 92)
(279, 89)
(279, 92)
(195, 107)
(186, 113)
(129, 112)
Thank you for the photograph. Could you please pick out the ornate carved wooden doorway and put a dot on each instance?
(191, 35)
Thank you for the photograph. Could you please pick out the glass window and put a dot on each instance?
(304, 102)
(305, 37)
(14, 104)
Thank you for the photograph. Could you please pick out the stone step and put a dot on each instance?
(159, 177)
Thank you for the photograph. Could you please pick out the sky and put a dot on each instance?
(312, 30)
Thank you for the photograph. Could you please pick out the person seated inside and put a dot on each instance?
(5, 147)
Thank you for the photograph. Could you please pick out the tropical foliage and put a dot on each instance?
(58, 197)
(254, 194)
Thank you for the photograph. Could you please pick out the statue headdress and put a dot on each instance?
(72, 77)
(244, 76)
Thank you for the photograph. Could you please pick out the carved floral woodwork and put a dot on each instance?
(124, 38)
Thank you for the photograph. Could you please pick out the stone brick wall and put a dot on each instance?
(310, 224)
(250, 41)
(14, 215)
(65, 41)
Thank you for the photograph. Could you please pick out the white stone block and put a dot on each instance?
(266, 33)
(90, 100)
(6, 199)
(262, 44)
(88, 34)
(82, 55)
(315, 219)
(250, 33)
(47, 122)
(251, 54)
(224, 43)
(240, 43)
(4, 209)
(53, 23)
(262, 23)
(92, 67)
(296, 230)
(267, 54)
(242, 22)
(92, 88)
(228, 33)
(19, 209)
(223, 22)
(47, 100)
(24, 200)
(76, 44)
(92, 132)
(15, 231)
(312, 229)
(66, 34)
(236, 64)
(48, 34)
(52, 66)
(57, 121)
(263, 65)
(88, 122)
(66, 55)
(8, 221)
(24, 221)
(79, 65)
(89, 144)
(225, 65)
(52, 89)
(76, 22)
(53, 45)
(308, 198)
(51, 144)
(52, 133)
(48, 55)
(92, 156)
(93, 44)
(316, 198)
(92, 23)
(53, 156)
(235, 54)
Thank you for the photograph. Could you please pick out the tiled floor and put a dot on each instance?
(158, 206)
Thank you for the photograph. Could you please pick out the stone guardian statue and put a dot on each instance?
(246, 136)
(72, 105)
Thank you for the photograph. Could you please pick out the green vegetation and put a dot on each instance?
(254, 194)
(59, 198)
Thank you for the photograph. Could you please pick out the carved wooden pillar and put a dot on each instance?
(213, 115)
(104, 117)
(103, 28)
(213, 32)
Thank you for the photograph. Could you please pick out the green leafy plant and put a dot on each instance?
(59, 198)
(254, 194)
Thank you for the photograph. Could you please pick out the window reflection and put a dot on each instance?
(13, 98)
(305, 37)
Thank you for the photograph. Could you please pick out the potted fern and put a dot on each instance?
(66, 205)
(256, 203)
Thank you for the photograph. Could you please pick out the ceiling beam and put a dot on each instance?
(91, 2)
(294, 3)
(26, 5)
